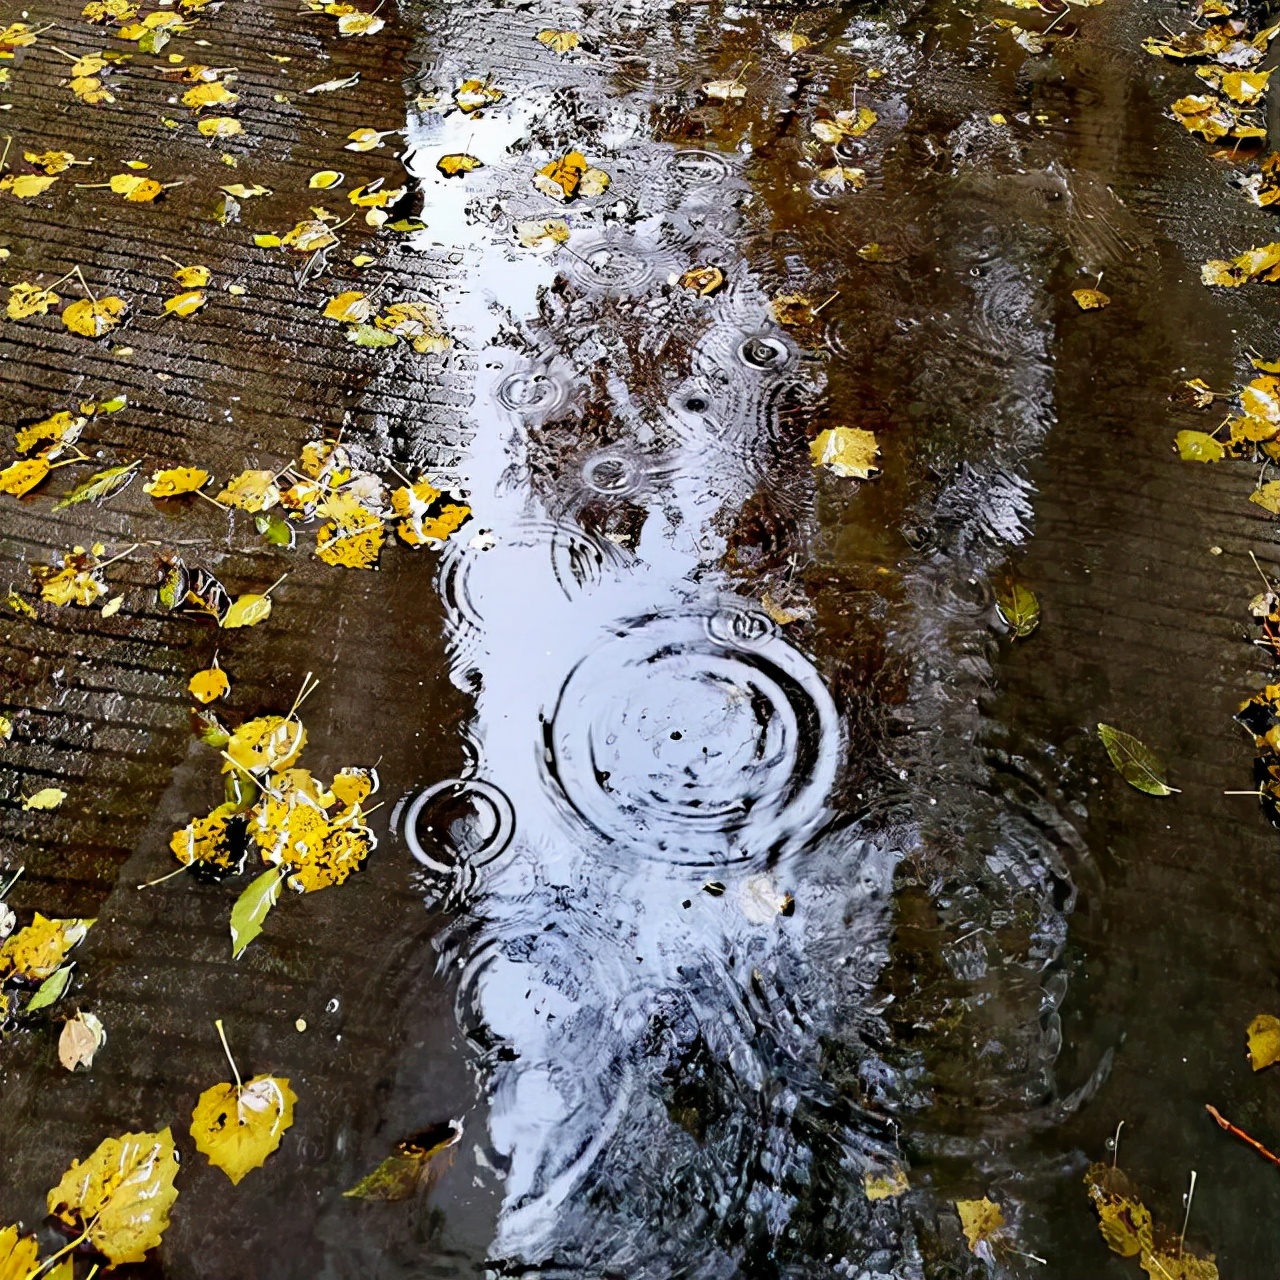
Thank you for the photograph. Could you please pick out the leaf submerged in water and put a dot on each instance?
(1019, 608)
(1134, 761)
(414, 1165)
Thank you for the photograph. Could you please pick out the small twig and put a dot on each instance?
(1235, 1132)
(1263, 576)
(11, 883)
(1186, 1217)
(1115, 1144)
(222, 1035)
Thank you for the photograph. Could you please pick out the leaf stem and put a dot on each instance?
(1186, 1217)
(11, 883)
(162, 879)
(222, 1035)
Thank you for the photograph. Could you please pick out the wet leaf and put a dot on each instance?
(1262, 263)
(324, 179)
(121, 1195)
(238, 1127)
(790, 41)
(416, 322)
(267, 241)
(413, 1166)
(308, 236)
(472, 95)
(848, 451)
(51, 990)
(1135, 763)
(725, 90)
(1018, 607)
(219, 127)
(278, 532)
(175, 481)
(243, 192)
(1090, 299)
(843, 177)
(331, 86)
(886, 1186)
(1177, 1265)
(1200, 391)
(353, 537)
(1267, 496)
(137, 189)
(570, 176)
(91, 319)
(209, 684)
(792, 309)
(91, 90)
(251, 491)
(251, 910)
(26, 299)
(704, 281)
(366, 139)
(22, 476)
(844, 124)
(266, 743)
(26, 185)
(1264, 1041)
(1198, 446)
(979, 1220)
(425, 516)
(366, 335)
(99, 486)
(457, 163)
(211, 93)
(216, 841)
(186, 304)
(81, 1038)
(559, 41)
(36, 952)
(19, 606)
(50, 161)
(45, 798)
(352, 307)
(548, 233)
(19, 1256)
(247, 611)
(360, 24)
(1125, 1222)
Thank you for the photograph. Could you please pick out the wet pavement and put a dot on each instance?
(732, 853)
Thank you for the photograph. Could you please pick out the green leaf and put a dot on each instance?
(407, 224)
(51, 989)
(367, 335)
(251, 909)
(247, 611)
(1134, 762)
(114, 405)
(278, 532)
(153, 41)
(1019, 608)
(1198, 446)
(173, 581)
(99, 486)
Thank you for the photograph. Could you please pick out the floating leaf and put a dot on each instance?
(1135, 763)
(558, 42)
(570, 176)
(353, 537)
(456, 163)
(45, 798)
(1262, 263)
(1264, 1041)
(844, 124)
(99, 486)
(279, 533)
(175, 481)
(266, 743)
(413, 1166)
(120, 1197)
(704, 281)
(36, 952)
(209, 684)
(548, 233)
(51, 990)
(790, 41)
(309, 235)
(1125, 1222)
(979, 1220)
(1090, 299)
(848, 451)
(366, 139)
(1019, 608)
(886, 1186)
(843, 177)
(472, 95)
(81, 1038)
(136, 189)
(238, 1126)
(212, 93)
(247, 611)
(1198, 446)
(251, 910)
(92, 318)
(725, 90)
(51, 161)
(251, 491)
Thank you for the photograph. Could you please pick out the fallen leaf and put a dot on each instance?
(50, 162)
(704, 281)
(848, 451)
(175, 481)
(137, 189)
(1262, 263)
(120, 1197)
(726, 90)
(22, 476)
(45, 798)
(1125, 1222)
(424, 515)
(92, 318)
(112, 607)
(219, 127)
(1090, 299)
(457, 163)
(843, 177)
(99, 486)
(209, 684)
(548, 233)
(215, 842)
(36, 952)
(250, 491)
(366, 139)
(792, 309)
(1135, 763)
(570, 176)
(26, 185)
(1198, 446)
(885, 1186)
(844, 124)
(1201, 392)
(186, 304)
(309, 235)
(251, 910)
(27, 299)
(1264, 1041)
(352, 307)
(19, 1256)
(1267, 496)
(413, 1165)
(238, 1126)
(979, 1220)
(416, 322)
(1018, 607)
(76, 581)
(353, 537)
(360, 24)
(267, 743)
(81, 1038)
(247, 611)
(323, 179)
(472, 95)
(790, 41)
(212, 93)
(331, 86)
(51, 990)
(91, 90)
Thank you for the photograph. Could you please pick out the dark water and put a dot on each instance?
(723, 914)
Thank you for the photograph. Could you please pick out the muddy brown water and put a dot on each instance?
(693, 918)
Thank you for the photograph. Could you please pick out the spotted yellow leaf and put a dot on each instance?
(209, 684)
(352, 307)
(22, 476)
(26, 299)
(559, 41)
(175, 481)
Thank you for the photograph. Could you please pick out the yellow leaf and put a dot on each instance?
(27, 299)
(844, 124)
(842, 176)
(790, 41)
(352, 307)
(26, 185)
(416, 322)
(186, 304)
(704, 281)
(209, 684)
(1125, 1222)
(210, 841)
(1198, 446)
(23, 476)
(46, 798)
(91, 90)
(360, 24)
(246, 611)
(366, 139)
(383, 198)
(1177, 1265)
(251, 491)
(242, 192)
(471, 95)
(192, 277)
(1090, 299)
(137, 164)
(725, 90)
(269, 742)
(560, 179)
(308, 236)
(457, 162)
(112, 607)
(423, 516)
(848, 451)
(50, 161)
(980, 1220)
(324, 179)
(35, 952)
(1261, 263)
(239, 1127)
(110, 11)
(175, 481)
(885, 1186)
(134, 188)
(353, 538)
(353, 786)
(19, 1256)
(121, 1195)
(17, 35)
(220, 127)
(559, 41)
(1264, 1041)
(212, 93)
(549, 233)
(267, 241)
(92, 319)
(792, 309)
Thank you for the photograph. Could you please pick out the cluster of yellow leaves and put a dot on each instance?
(75, 580)
(1225, 41)
(37, 952)
(569, 177)
(415, 322)
(843, 124)
(1254, 265)
(351, 21)
(1127, 1227)
(1250, 430)
(1213, 118)
(473, 95)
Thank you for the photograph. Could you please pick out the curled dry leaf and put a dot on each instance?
(81, 1038)
(120, 1197)
(238, 1126)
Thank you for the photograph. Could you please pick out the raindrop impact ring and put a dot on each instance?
(486, 795)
